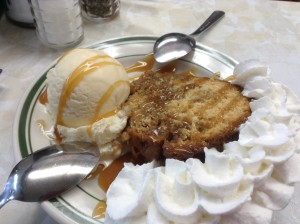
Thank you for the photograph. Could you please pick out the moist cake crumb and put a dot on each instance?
(177, 116)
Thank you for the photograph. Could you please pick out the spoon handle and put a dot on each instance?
(4, 198)
(211, 20)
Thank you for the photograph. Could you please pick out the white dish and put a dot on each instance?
(77, 205)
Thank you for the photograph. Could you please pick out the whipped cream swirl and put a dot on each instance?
(180, 192)
(252, 177)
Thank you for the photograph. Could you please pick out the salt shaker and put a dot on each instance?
(58, 22)
(100, 10)
(18, 12)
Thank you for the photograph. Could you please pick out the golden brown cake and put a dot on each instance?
(177, 116)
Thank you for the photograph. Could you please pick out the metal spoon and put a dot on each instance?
(172, 46)
(49, 172)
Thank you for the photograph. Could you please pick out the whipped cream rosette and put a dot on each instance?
(243, 184)
(130, 194)
(220, 177)
(277, 103)
(174, 193)
(273, 126)
(257, 87)
(256, 169)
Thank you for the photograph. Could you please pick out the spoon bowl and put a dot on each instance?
(49, 172)
(172, 46)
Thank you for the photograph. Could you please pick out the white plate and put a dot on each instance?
(76, 206)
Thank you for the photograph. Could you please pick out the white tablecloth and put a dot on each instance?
(261, 29)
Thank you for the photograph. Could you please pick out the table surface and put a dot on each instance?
(259, 29)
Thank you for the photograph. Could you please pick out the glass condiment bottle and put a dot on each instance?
(18, 12)
(100, 10)
(58, 22)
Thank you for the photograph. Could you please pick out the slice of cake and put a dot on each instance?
(252, 177)
(177, 116)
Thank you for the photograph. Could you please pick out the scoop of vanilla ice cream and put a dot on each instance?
(96, 82)
(85, 91)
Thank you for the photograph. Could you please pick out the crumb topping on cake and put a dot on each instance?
(177, 116)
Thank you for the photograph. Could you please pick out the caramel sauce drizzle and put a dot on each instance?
(57, 135)
(106, 115)
(95, 172)
(43, 98)
(230, 78)
(170, 67)
(75, 78)
(100, 104)
(106, 96)
(190, 72)
(216, 75)
(108, 175)
(99, 210)
(41, 124)
(147, 63)
(133, 78)
(143, 65)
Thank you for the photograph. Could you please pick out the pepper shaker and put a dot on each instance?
(58, 22)
(100, 10)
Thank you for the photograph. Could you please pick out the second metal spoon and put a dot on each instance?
(50, 172)
(172, 46)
